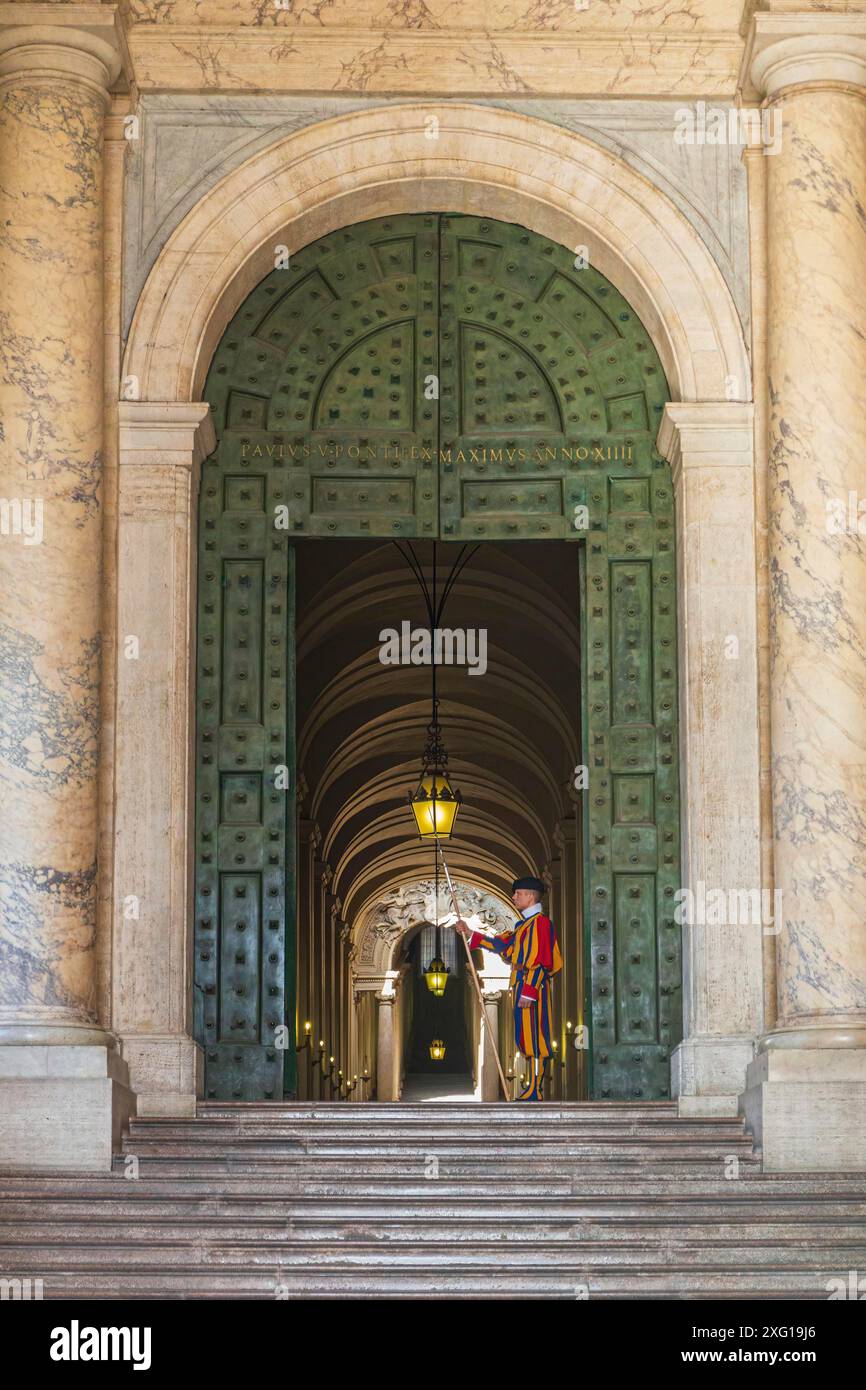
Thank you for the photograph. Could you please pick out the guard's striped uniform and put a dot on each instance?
(533, 952)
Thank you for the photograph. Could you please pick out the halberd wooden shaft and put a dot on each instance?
(473, 972)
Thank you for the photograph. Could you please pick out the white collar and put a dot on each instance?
(530, 911)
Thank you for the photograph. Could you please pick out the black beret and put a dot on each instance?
(535, 884)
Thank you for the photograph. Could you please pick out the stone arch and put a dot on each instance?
(387, 920)
(501, 164)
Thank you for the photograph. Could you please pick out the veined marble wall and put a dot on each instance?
(186, 144)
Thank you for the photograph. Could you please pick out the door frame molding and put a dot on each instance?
(522, 170)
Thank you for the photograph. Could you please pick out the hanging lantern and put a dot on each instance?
(436, 976)
(437, 1050)
(435, 804)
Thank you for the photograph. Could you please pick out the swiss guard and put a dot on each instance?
(533, 952)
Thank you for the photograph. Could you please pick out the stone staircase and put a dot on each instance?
(605, 1200)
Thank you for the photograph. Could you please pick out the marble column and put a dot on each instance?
(320, 939)
(331, 1000)
(387, 1087)
(309, 837)
(377, 1036)
(552, 874)
(162, 447)
(806, 1094)
(569, 925)
(710, 447)
(115, 148)
(56, 1060)
(490, 1085)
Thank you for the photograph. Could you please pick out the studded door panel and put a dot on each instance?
(319, 390)
(326, 375)
(631, 806)
(546, 376)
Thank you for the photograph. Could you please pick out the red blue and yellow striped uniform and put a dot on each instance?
(533, 951)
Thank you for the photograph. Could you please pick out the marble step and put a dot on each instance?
(788, 1190)
(455, 1166)
(487, 1116)
(458, 1206)
(645, 1282)
(485, 1256)
(482, 1158)
(280, 1175)
(426, 1228)
(489, 1113)
(452, 1164)
(334, 1140)
(286, 1180)
(156, 1132)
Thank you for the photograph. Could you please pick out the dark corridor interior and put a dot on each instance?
(511, 727)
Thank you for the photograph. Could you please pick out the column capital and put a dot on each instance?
(56, 42)
(800, 49)
(698, 433)
(565, 832)
(382, 983)
(308, 831)
(175, 432)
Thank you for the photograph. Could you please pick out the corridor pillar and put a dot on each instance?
(63, 1086)
(806, 1092)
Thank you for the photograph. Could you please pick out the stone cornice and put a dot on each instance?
(796, 49)
(706, 433)
(157, 432)
(437, 63)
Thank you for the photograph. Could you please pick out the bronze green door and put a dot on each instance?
(552, 395)
(421, 376)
